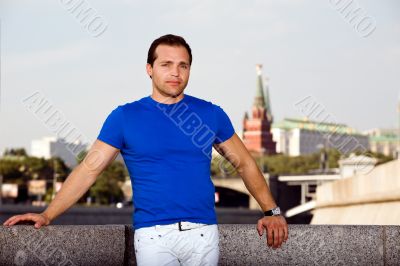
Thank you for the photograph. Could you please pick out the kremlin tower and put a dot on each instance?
(257, 134)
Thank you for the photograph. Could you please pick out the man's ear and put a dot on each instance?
(149, 70)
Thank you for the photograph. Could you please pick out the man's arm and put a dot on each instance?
(236, 153)
(75, 186)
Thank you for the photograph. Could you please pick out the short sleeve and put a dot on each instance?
(112, 130)
(225, 128)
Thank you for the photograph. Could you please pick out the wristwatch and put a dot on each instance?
(273, 212)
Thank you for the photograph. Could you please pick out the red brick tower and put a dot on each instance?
(257, 134)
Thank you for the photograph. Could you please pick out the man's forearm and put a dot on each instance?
(256, 184)
(74, 187)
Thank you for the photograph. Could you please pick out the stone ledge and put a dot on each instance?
(239, 245)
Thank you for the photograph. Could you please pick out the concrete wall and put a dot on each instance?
(370, 198)
(239, 245)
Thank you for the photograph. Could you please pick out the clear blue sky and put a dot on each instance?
(306, 47)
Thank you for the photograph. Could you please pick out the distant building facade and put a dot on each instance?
(296, 137)
(49, 147)
(385, 141)
(355, 165)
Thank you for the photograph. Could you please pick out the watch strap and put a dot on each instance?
(273, 212)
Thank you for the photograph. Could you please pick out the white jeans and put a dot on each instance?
(167, 245)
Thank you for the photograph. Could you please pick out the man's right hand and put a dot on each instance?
(39, 219)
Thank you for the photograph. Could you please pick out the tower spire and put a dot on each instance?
(257, 135)
(268, 102)
(259, 100)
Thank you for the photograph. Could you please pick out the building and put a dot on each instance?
(385, 141)
(296, 137)
(257, 135)
(49, 147)
(356, 165)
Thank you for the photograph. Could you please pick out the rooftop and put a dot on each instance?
(292, 123)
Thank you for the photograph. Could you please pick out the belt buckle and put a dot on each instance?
(180, 227)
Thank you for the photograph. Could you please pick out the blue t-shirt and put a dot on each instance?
(167, 150)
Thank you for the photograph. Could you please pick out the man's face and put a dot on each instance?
(170, 71)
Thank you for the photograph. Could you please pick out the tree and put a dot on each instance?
(15, 152)
(280, 164)
(59, 168)
(24, 168)
(382, 158)
(9, 169)
(107, 190)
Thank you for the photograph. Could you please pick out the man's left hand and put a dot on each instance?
(277, 230)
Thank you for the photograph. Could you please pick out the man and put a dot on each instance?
(166, 141)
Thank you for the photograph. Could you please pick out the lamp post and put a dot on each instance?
(323, 160)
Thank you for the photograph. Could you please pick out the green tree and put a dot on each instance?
(222, 167)
(280, 164)
(59, 168)
(382, 158)
(107, 188)
(9, 169)
(15, 152)
(24, 168)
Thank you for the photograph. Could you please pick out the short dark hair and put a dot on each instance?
(171, 40)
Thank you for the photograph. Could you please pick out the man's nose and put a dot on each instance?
(175, 71)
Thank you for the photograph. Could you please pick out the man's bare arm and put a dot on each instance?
(236, 153)
(75, 186)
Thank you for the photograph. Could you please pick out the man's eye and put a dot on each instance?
(184, 66)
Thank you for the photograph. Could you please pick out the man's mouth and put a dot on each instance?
(174, 82)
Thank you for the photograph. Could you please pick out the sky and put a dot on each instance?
(307, 49)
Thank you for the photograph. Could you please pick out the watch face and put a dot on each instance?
(276, 211)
